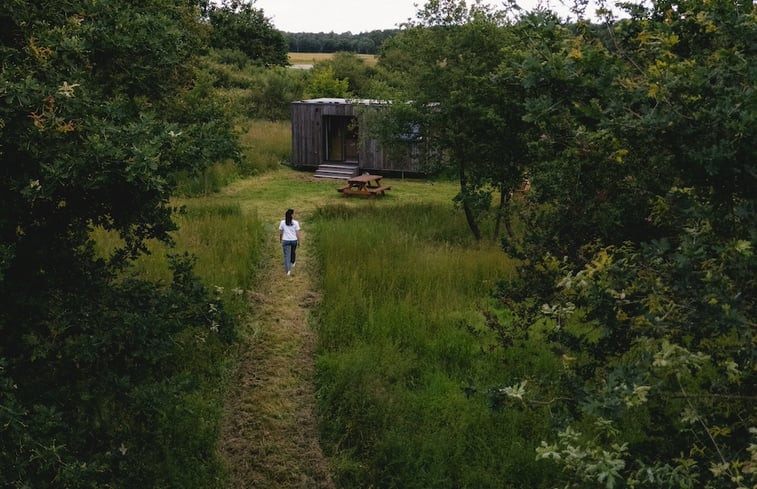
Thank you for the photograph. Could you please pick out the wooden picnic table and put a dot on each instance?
(365, 184)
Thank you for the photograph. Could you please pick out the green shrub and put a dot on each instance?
(275, 89)
(232, 57)
(253, 91)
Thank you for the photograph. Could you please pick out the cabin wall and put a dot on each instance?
(308, 141)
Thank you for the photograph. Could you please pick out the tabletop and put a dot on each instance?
(365, 178)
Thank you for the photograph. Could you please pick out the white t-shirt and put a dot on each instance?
(290, 232)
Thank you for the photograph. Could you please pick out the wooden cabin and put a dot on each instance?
(326, 137)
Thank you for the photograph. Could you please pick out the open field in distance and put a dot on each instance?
(309, 59)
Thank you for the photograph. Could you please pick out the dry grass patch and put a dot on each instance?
(313, 58)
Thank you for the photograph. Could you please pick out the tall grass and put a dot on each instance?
(211, 180)
(225, 243)
(404, 344)
(266, 145)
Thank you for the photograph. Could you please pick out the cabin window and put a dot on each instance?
(411, 134)
(341, 138)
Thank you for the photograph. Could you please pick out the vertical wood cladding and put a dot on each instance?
(309, 141)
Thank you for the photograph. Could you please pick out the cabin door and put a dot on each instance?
(341, 138)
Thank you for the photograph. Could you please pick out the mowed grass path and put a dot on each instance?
(269, 432)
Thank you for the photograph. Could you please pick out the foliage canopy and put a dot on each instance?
(99, 108)
(239, 25)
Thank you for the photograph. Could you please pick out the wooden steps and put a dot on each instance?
(338, 171)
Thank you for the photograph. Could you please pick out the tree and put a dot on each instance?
(617, 117)
(324, 83)
(239, 25)
(470, 115)
(364, 43)
(348, 66)
(639, 237)
(99, 110)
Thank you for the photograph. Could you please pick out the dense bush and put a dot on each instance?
(104, 380)
(252, 91)
(657, 339)
(107, 383)
(347, 66)
(639, 229)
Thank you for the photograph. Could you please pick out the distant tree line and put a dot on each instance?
(322, 42)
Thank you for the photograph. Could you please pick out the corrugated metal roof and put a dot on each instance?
(342, 101)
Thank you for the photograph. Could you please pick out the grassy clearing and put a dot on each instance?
(273, 401)
(270, 194)
(401, 338)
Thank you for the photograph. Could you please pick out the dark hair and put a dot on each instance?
(288, 217)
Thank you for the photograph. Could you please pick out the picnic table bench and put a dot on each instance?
(365, 184)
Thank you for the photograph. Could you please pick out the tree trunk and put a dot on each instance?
(502, 202)
(469, 217)
(472, 224)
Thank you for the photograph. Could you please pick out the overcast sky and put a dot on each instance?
(355, 15)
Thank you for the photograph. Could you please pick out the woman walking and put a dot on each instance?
(289, 235)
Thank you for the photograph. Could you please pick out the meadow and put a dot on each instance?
(405, 358)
